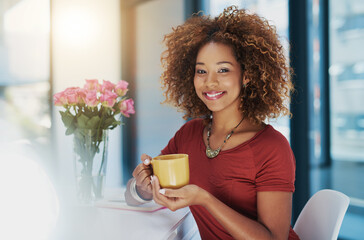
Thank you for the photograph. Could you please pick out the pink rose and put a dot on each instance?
(60, 99)
(108, 98)
(91, 98)
(107, 85)
(127, 107)
(121, 88)
(81, 93)
(92, 84)
(72, 95)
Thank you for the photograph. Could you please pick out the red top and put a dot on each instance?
(263, 163)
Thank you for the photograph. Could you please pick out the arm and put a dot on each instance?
(134, 197)
(274, 216)
(274, 211)
(139, 188)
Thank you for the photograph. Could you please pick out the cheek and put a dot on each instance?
(237, 83)
(235, 87)
(232, 84)
(197, 83)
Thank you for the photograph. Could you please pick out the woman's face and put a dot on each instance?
(218, 77)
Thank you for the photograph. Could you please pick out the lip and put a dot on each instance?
(213, 95)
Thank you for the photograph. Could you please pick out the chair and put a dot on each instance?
(322, 216)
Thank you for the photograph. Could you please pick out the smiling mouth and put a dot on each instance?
(213, 95)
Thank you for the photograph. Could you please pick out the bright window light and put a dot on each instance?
(76, 26)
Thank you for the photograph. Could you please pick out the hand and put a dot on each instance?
(142, 174)
(178, 198)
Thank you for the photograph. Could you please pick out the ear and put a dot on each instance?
(245, 80)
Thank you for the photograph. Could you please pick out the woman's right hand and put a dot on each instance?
(142, 174)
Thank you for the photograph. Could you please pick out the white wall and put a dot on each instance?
(156, 123)
(86, 45)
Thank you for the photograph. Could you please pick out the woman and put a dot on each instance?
(229, 74)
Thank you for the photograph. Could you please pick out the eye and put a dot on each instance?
(200, 71)
(223, 70)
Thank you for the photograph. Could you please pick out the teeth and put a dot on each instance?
(214, 95)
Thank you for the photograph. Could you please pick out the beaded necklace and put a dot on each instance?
(213, 153)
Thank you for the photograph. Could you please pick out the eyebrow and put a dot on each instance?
(222, 62)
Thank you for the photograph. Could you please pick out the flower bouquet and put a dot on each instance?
(89, 113)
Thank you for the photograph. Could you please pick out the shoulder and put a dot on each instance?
(274, 162)
(187, 134)
(271, 143)
(190, 129)
(273, 137)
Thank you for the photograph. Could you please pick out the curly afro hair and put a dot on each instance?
(257, 48)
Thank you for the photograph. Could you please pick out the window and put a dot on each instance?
(346, 74)
(24, 73)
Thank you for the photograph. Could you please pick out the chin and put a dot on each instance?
(214, 108)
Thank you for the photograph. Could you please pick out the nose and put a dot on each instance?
(212, 80)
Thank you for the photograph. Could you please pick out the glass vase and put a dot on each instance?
(90, 161)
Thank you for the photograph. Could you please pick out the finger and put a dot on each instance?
(158, 198)
(140, 168)
(167, 192)
(171, 193)
(145, 172)
(155, 185)
(137, 169)
(172, 203)
(146, 159)
(146, 181)
(150, 185)
(143, 178)
(155, 189)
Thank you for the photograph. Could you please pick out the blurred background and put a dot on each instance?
(48, 45)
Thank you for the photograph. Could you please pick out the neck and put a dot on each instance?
(226, 122)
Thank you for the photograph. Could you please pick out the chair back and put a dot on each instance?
(322, 216)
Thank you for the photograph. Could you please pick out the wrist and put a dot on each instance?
(136, 195)
(205, 198)
(147, 196)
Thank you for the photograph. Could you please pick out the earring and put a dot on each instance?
(243, 95)
(241, 101)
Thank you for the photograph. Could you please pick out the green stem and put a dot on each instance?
(103, 159)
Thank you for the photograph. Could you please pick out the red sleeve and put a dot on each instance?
(275, 165)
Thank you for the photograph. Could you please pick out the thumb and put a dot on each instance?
(171, 192)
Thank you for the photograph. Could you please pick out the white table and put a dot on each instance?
(91, 223)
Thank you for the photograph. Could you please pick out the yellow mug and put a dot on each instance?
(172, 170)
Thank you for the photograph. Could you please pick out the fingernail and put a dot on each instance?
(162, 191)
(146, 161)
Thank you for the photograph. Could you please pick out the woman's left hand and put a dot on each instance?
(175, 199)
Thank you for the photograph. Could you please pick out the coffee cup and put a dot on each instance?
(172, 170)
